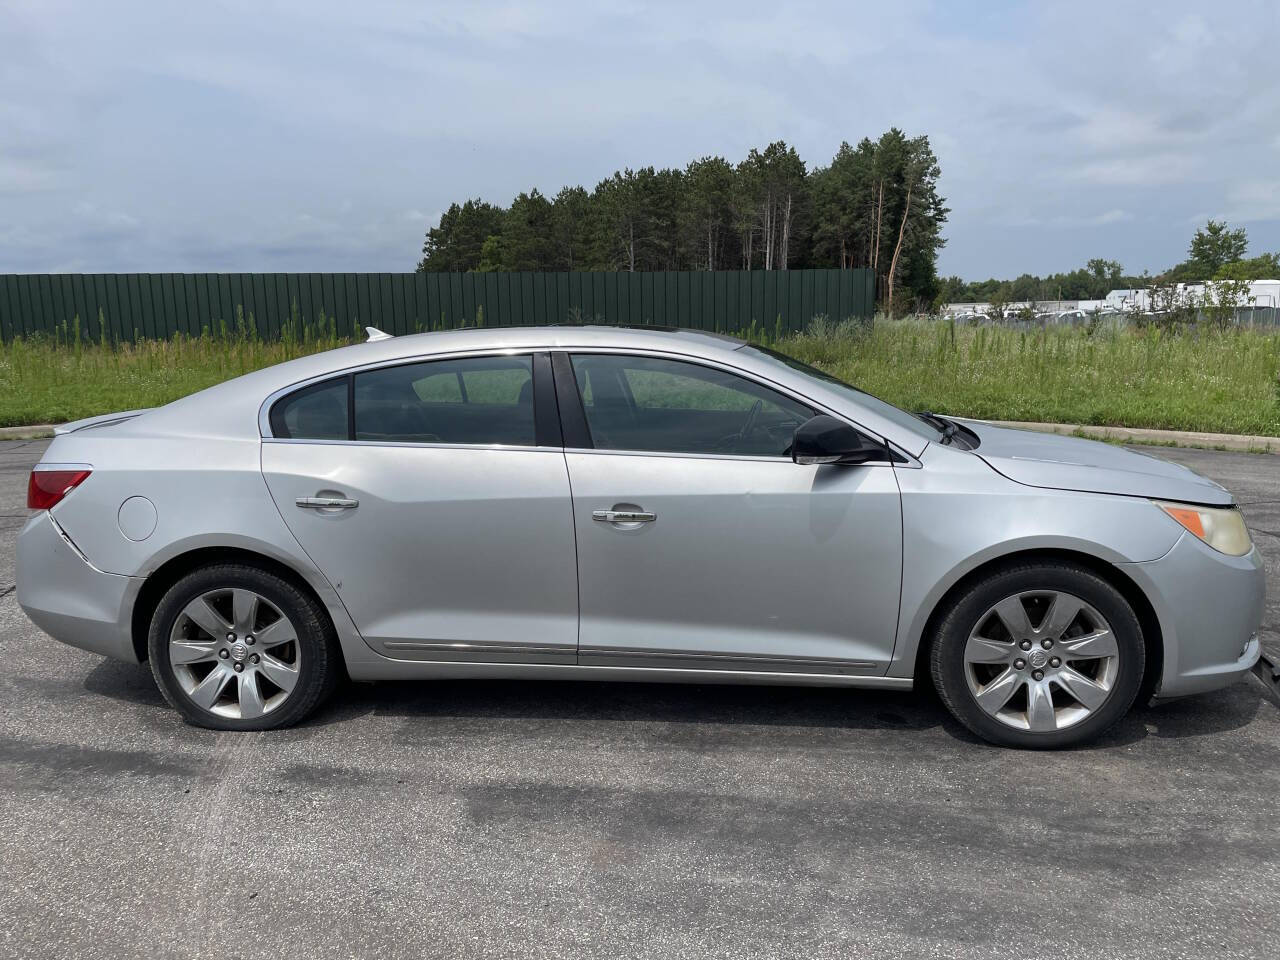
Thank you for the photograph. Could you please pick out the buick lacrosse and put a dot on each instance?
(613, 504)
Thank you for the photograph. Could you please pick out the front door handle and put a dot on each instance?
(327, 503)
(623, 516)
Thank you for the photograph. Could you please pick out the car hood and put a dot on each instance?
(1073, 463)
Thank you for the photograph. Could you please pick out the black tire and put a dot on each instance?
(947, 654)
(318, 653)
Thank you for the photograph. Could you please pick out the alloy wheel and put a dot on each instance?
(234, 653)
(1041, 660)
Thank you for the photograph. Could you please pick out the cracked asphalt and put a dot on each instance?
(527, 820)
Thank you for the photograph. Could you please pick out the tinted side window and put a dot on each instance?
(659, 405)
(479, 400)
(317, 412)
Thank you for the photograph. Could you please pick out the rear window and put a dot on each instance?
(472, 400)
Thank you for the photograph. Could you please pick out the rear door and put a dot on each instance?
(434, 496)
(701, 544)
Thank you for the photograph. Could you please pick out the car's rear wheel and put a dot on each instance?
(233, 647)
(1039, 655)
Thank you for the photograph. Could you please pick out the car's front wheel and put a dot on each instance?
(1040, 654)
(234, 647)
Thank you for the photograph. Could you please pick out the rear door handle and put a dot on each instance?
(327, 503)
(623, 516)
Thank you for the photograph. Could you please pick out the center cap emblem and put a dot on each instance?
(1038, 658)
(238, 652)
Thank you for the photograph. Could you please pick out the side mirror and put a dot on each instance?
(824, 439)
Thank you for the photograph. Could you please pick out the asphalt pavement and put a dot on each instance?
(538, 819)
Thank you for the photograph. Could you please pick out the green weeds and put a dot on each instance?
(1222, 381)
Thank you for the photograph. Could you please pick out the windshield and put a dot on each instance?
(887, 410)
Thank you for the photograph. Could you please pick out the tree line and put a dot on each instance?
(1216, 252)
(875, 205)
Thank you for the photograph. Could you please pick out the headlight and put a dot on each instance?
(1220, 527)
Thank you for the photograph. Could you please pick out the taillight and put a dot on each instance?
(49, 483)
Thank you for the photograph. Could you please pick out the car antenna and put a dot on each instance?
(376, 334)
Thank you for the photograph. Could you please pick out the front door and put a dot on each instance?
(702, 545)
(422, 493)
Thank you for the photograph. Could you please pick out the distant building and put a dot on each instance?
(1052, 307)
(1125, 300)
(1261, 293)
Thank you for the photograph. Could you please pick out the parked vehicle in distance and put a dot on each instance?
(614, 504)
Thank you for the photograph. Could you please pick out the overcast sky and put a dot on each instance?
(321, 135)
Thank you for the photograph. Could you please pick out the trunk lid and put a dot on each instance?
(102, 420)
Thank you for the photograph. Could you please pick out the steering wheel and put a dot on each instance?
(745, 430)
(749, 424)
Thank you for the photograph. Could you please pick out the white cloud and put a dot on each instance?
(17, 176)
(220, 128)
(1138, 170)
(1025, 218)
(1112, 216)
(1253, 200)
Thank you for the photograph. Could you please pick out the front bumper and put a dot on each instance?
(69, 598)
(1210, 608)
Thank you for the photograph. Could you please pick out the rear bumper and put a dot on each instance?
(1210, 608)
(69, 598)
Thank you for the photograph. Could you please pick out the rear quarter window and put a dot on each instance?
(317, 412)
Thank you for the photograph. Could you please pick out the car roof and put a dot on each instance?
(413, 346)
(555, 336)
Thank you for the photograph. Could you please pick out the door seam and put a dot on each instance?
(577, 567)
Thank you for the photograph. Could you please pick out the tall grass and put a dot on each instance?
(43, 381)
(1217, 381)
(1224, 381)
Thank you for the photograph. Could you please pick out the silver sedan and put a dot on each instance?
(607, 504)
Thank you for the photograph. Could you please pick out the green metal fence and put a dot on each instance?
(129, 306)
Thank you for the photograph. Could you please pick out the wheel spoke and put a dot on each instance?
(202, 614)
(276, 633)
(1040, 715)
(982, 650)
(1049, 670)
(230, 614)
(251, 705)
(997, 693)
(1014, 617)
(210, 688)
(283, 675)
(1089, 692)
(244, 608)
(1100, 643)
(190, 651)
(1064, 609)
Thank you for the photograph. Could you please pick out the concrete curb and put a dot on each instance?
(37, 431)
(1167, 438)
(1242, 443)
